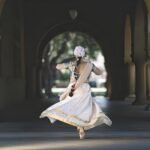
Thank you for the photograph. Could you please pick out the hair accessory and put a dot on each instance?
(79, 51)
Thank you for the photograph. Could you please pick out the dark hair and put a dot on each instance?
(75, 75)
(75, 69)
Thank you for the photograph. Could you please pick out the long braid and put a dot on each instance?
(75, 69)
(75, 75)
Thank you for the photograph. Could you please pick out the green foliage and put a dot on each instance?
(65, 76)
(62, 46)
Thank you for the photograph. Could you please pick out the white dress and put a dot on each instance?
(80, 110)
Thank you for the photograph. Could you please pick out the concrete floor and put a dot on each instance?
(130, 131)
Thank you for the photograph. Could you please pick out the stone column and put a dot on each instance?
(148, 85)
(148, 81)
(140, 86)
(139, 54)
(131, 82)
(128, 53)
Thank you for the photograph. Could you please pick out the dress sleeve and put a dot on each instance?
(93, 67)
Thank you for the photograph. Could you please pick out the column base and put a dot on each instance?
(130, 98)
(136, 102)
(147, 107)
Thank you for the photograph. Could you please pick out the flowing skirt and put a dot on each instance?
(80, 110)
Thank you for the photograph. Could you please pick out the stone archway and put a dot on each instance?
(60, 49)
(73, 27)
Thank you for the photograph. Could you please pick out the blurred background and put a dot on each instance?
(35, 35)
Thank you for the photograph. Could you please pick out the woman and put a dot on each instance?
(76, 106)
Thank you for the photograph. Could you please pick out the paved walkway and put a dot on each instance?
(130, 131)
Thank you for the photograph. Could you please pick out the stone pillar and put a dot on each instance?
(148, 56)
(148, 85)
(131, 82)
(128, 53)
(148, 64)
(140, 85)
(22, 34)
(148, 81)
(139, 54)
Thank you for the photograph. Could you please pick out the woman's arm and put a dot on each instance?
(62, 66)
(96, 70)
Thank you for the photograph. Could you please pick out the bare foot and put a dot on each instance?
(81, 133)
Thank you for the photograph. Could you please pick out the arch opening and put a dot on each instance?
(60, 49)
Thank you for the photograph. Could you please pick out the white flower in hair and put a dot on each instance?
(79, 51)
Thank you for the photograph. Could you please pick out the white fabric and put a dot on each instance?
(84, 75)
(79, 51)
(83, 78)
(81, 110)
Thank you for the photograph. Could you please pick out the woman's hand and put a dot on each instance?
(60, 66)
